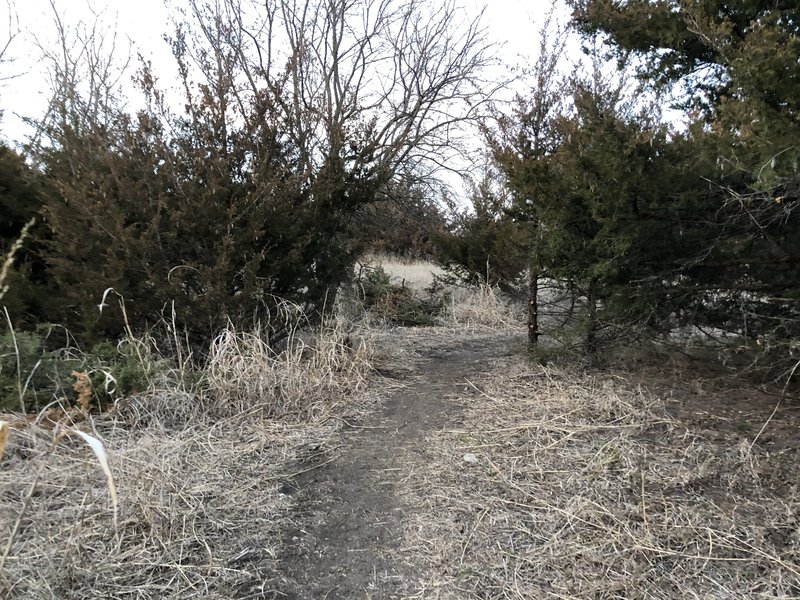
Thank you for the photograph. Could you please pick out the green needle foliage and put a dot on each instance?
(654, 228)
(251, 191)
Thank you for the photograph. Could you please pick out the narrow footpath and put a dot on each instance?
(346, 538)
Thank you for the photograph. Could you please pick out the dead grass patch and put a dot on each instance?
(198, 471)
(481, 307)
(245, 373)
(573, 486)
(200, 510)
(413, 273)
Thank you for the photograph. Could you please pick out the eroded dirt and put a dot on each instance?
(345, 540)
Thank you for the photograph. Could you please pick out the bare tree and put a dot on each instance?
(6, 60)
(12, 31)
(85, 64)
(380, 85)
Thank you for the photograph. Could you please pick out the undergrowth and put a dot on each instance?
(197, 450)
(417, 294)
(390, 301)
(40, 367)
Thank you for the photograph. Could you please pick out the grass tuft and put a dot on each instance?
(303, 380)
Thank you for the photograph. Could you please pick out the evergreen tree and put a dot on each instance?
(22, 192)
(251, 192)
(523, 144)
(486, 245)
(738, 225)
(596, 196)
(737, 61)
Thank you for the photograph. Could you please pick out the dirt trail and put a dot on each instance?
(345, 541)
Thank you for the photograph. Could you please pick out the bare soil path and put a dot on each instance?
(346, 539)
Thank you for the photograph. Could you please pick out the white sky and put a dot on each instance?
(513, 23)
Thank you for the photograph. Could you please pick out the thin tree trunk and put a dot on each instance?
(533, 309)
(591, 331)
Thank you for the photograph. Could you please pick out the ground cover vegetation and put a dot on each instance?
(563, 483)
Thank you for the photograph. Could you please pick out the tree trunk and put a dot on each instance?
(591, 316)
(533, 309)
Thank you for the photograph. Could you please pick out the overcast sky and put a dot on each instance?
(142, 23)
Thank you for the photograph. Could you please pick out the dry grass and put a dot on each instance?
(465, 307)
(481, 307)
(245, 373)
(568, 486)
(198, 473)
(412, 273)
(8, 261)
(191, 500)
(559, 485)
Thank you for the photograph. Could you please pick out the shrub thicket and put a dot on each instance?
(485, 245)
(398, 303)
(255, 190)
(658, 229)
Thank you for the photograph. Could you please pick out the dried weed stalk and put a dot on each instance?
(8, 261)
(83, 389)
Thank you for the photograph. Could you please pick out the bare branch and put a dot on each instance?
(377, 84)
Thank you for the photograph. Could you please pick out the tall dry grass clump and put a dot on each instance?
(305, 379)
(481, 307)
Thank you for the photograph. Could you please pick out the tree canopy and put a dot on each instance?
(296, 119)
(735, 61)
(657, 228)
